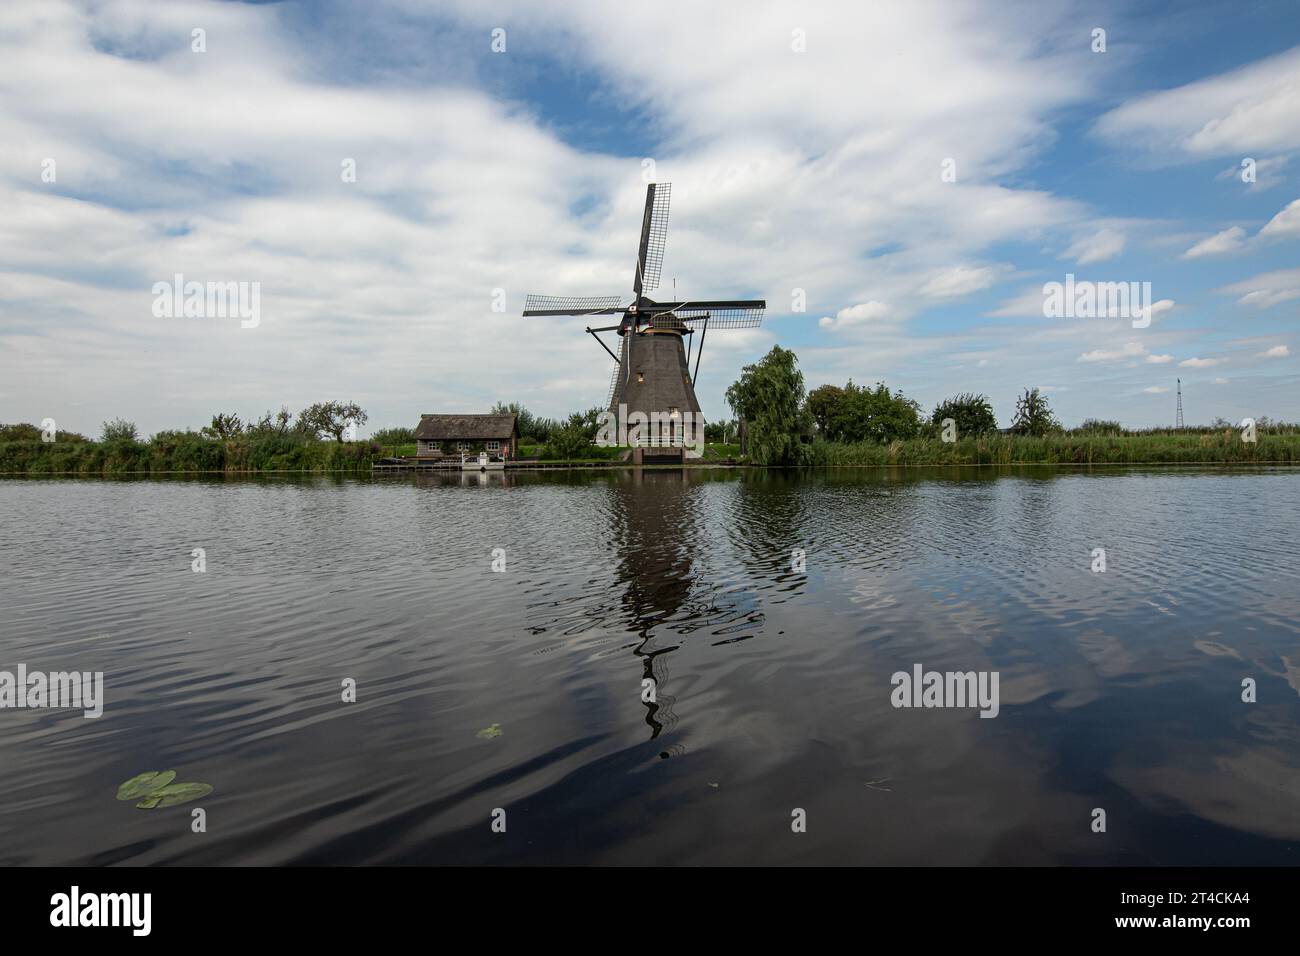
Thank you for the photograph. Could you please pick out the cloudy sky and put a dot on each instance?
(807, 145)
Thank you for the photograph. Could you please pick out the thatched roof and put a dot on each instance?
(466, 427)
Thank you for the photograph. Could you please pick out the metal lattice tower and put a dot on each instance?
(1179, 422)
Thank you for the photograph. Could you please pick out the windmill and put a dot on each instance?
(652, 373)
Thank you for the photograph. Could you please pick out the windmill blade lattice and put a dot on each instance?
(738, 315)
(617, 373)
(657, 237)
(572, 304)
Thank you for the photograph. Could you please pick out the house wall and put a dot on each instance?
(476, 445)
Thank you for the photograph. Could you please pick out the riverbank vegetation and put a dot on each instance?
(776, 423)
(859, 425)
(171, 452)
(314, 442)
(1185, 447)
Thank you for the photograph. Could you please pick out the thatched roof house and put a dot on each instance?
(453, 434)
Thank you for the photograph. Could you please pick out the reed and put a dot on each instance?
(187, 452)
(1217, 447)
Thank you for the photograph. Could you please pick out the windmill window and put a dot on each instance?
(672, 412)
(640, 376)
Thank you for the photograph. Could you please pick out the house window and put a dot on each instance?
(493, 446)
(462, 446)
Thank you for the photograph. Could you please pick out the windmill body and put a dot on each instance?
(652, 387)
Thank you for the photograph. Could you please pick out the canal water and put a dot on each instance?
(659, 667)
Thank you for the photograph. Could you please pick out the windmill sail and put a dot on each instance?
(573, 304)
(654, 234)
(616, 374)
(732, 314)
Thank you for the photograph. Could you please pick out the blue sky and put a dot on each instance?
(522, 171)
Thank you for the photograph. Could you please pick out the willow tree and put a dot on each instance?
(769, 399)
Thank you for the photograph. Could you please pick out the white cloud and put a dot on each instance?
(1267, 289)
(1249, 109)
(1155, 389)
(1199, 363)
(818, 171)
(1277, 351)
(226, 165)
(856, 315)
(959, 281)
(1263, 298)
(1098, 247)
(1160, 307)
(1220, 381)
(1268, 173)
(1129, 350)
(1028, 304)
(1286, 224)
(1230, 240)
(1159, 359)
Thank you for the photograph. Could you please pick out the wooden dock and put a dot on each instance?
(391, 466)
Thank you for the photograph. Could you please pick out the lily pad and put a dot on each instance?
(174, 795)
(487, 733)
(145, 784)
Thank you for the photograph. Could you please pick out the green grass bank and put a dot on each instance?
(192, 453)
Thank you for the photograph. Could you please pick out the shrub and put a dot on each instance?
(1097, 426)
(118, 430)
(874, 414)
(573, 438)
(1034, 415)
(568, 443)
(23, 431)
(281, 423)
(20, 432)
(529, 424)
(223, 425)
(823, 405)
(719, 432)
(394, 436)
(972, 414)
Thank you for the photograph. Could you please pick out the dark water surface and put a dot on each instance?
(1119, 690)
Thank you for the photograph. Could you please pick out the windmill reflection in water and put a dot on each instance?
(657, 539)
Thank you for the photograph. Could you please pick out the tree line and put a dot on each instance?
(782, 424)
(322, 420)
